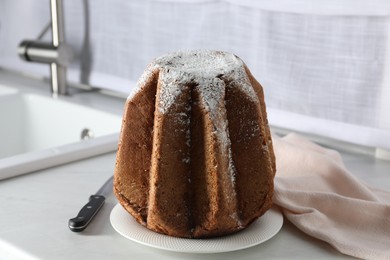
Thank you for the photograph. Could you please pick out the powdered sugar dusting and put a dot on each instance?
(193, 68)
(169, 90)
(239, 79)
(142, 81)
(201, 64)
(196, 67)
(212, 97)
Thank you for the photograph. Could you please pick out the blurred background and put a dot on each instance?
(324, 65)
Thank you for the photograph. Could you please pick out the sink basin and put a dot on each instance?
(38, 132)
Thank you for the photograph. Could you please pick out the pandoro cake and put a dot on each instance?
(195, 156)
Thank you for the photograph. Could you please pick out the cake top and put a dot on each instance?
(200, 64)
(205, 68)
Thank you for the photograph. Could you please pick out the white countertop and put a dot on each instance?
(35, 210)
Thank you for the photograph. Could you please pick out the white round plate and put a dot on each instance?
(258, 232)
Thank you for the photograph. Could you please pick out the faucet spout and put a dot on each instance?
(57, 53)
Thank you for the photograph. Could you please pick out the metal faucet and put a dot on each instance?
(57, 53)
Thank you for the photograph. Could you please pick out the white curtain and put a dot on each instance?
(324, 65)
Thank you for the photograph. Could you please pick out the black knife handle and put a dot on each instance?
(86, 214)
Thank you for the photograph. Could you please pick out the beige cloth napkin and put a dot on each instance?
(319, 196)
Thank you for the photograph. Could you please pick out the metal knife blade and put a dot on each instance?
(90, 209)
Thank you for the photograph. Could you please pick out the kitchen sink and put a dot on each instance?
(38, 132)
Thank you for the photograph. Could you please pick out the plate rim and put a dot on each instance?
(118, 209)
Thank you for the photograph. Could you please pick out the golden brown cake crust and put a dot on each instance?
(195, 156)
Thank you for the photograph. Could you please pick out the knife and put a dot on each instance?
(90, 209)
